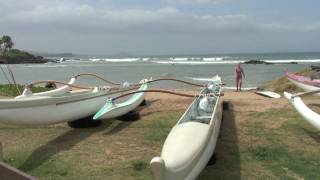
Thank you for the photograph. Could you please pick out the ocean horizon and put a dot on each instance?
(197, 68)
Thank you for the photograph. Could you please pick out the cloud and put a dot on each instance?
(73, 23)
(55, 15)
(194, 1)
(81, 17)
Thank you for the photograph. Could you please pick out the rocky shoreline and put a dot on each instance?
(253, 61)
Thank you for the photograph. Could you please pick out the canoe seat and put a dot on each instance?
(202, 119)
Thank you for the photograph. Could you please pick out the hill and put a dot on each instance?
(15, 56)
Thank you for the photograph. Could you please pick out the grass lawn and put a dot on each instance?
(274, 144)
(270, 144)
(10, 90)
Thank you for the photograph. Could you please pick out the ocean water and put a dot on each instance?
(197, 68)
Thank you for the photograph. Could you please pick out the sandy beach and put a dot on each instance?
(260, 138)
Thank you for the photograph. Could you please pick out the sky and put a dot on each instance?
(160, 27)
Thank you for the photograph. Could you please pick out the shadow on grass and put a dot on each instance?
(227, 162)
(61, 143)
(147, 105)
(127, 120)
(315, 105)
(119, 127)
(312, 134)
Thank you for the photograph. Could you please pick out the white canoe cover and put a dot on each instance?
(309, 115)
(111, 110)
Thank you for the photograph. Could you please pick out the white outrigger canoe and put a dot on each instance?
(112, 110)
(191, 142)
(309, 115)
(303, 82)
(55, 92)
(45, 110)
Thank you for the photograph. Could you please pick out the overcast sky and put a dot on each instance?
(163, 26)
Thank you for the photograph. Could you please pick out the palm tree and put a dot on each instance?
(1, 46)
(7, 43)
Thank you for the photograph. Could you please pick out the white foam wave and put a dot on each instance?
(213, 59)
(197, 62)
(293, 61)
(55, 65)
(146, 59)
(96, 59)
(179, 59)
(122, 60)
(203, 79)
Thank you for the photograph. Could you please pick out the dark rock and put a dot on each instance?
(253, 61)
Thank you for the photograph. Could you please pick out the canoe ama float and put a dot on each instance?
(112, 110)
(191, 142)
(309, 115)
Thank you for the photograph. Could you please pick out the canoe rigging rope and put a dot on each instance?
(137, 84)
(59, 82)
(5, 75)
(151, 81)
(178, 80)
(12, 77)
(118, 84)
(98, 77)
(76, 86)
(167, 92)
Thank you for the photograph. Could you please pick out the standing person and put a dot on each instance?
(238, 73)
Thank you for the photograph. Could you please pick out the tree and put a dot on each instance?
(7, 44)
(1, 45)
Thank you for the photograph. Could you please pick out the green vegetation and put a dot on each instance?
(274, 144)
(10, 90)
(282, 84)
(6, 44)
(15, 53)
(286, 149)
(116, 150)
(14, 56)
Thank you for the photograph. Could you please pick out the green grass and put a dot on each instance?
(282, 84)
(117, 150)
(10, 90)
(286, 151)
(275, 144)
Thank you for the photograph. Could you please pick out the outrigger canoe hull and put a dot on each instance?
(55, 92)
(309, 115)
(45, 110)
(190, 144)
(303, 82)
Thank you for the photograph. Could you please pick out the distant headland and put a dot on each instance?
(8, 55)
